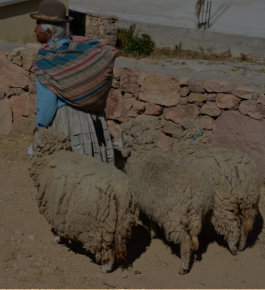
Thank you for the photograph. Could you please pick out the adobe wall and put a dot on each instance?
(15, 23)
(194, 39)
(231, 114)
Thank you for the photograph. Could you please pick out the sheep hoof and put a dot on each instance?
(58, 240)
(197, 257)
(233, 251)
(106, 268)
(183, 271)
(153, 234)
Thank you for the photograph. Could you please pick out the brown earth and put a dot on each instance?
(29, 258)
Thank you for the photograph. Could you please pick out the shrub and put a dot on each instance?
(132, 43)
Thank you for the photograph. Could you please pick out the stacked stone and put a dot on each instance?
(103, 28)
(232, 115)
(17, 92)
(169, 101)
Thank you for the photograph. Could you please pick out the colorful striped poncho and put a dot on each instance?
(79, 72)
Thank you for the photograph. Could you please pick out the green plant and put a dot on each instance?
(132, 43)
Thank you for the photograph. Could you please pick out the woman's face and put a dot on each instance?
(42, 36)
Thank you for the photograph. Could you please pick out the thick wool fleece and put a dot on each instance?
(83, 199)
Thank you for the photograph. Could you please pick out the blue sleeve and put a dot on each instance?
(46, 105)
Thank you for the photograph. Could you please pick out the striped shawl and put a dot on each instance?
(79, 72)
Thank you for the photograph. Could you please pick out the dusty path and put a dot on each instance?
(30, 259)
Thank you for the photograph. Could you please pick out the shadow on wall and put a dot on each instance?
(18, 9)
(78, 24)
(218, 13)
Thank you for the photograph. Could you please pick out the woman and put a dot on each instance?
(62, 74)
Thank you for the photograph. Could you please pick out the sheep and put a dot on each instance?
(224, 181)
(174, 196)
(237, 195)
(83, 199)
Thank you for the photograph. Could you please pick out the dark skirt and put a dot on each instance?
(87, 131)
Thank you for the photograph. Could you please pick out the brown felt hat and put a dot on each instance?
(51, 11)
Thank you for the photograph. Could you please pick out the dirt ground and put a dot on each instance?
(29, 258)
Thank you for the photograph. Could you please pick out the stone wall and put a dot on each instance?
(17, 92)
(169, 100)
(232, 115)
(103, 28)
(14, 15)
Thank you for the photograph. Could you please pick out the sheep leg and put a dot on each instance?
(226, 223)
(243, 237)
(246, 226)
(194, 232)
(153, 230)
(233, 238)
(195, 243)
(196, 226)
(107, 267)
(185, 253)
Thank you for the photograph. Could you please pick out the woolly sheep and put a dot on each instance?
(174, 196)
(83, 199)
(230, 176)
(234, 179)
